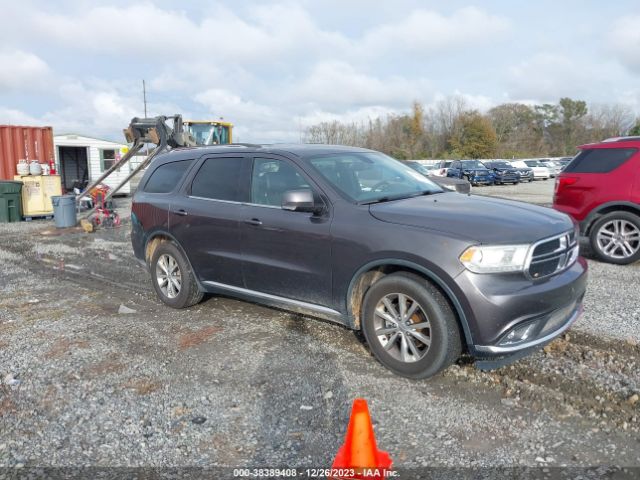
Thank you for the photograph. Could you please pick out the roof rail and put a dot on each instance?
(622, 139)
(250, 145)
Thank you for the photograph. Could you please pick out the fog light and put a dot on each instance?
(520, 334)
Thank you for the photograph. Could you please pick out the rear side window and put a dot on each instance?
(599, 160)
(165, 178)
(219, 179)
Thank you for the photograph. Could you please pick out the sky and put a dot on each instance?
(274, 68)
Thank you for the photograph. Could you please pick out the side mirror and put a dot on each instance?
(300, 201)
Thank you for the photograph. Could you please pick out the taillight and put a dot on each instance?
(562, 182)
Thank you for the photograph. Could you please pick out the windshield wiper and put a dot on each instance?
(378, 200)
(390, 198)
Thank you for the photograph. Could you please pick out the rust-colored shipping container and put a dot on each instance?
(30, 143)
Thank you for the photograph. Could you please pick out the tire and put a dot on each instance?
(604, 234)
(445, 344)
(170, 257)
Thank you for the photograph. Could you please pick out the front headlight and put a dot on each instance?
(495, 259)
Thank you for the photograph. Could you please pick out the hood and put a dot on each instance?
(481, 219)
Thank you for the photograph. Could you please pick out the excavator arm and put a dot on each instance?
(140, 132)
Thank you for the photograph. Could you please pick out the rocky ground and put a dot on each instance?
(96, 372)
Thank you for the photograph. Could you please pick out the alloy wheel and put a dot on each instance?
(402, 327)
(168, 275)
(618, 239)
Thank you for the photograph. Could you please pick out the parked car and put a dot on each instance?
(354, 236)
(454, 184)
(525, 173)
(600, 189)
(539, 170)
(471, 170)
(563, 162)
(442, 167)
(503, 172)
(420, 167)
(554, 168)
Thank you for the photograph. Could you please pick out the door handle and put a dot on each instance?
(253, 221)
(181, 212)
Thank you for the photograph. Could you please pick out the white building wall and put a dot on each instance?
(94, 145)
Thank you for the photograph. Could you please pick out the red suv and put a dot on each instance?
(600, 189)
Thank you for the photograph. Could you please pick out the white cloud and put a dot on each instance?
(624, 41)
(426, 31)
(220, 35)
(336, 83)
(21, 70)
(219, 101)
(268, 34)
(13, 116)
(545, 77)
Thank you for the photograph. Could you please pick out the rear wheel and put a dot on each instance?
(409, 326)
(172, 277)
(615, 238)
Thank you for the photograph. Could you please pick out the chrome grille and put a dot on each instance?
(552, 255)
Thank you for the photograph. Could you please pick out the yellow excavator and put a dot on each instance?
(159, 132)
(210, 132)
(165, 132)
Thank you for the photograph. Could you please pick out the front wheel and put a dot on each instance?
(615, 238)
(172, 277)
(409, 326)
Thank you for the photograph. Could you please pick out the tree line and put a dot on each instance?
(451, 129)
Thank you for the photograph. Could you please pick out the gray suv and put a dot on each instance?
(356, 237)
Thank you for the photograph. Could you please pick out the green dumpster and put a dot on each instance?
(10, 201)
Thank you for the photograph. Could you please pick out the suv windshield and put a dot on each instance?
(499, 165)
(366, 177)
(533, 163)
(472, 164)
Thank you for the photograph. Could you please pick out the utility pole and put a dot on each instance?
(144, 97)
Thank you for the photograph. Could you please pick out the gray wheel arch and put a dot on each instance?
(408, 265)
(163, 233)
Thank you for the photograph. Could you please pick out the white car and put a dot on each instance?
(441, 168)
(539, 170)
(554, 168)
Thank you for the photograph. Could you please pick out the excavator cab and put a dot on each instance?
(209, 132)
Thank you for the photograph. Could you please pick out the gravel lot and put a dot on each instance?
(236, 384)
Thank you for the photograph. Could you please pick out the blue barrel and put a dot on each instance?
(64, 211)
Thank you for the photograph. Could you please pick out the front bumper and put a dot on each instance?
(550, 327)
(499, 304)
(507, 178)
(481, 179)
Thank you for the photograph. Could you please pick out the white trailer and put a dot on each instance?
(81, 160)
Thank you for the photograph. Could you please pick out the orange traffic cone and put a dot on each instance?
(359, 457)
